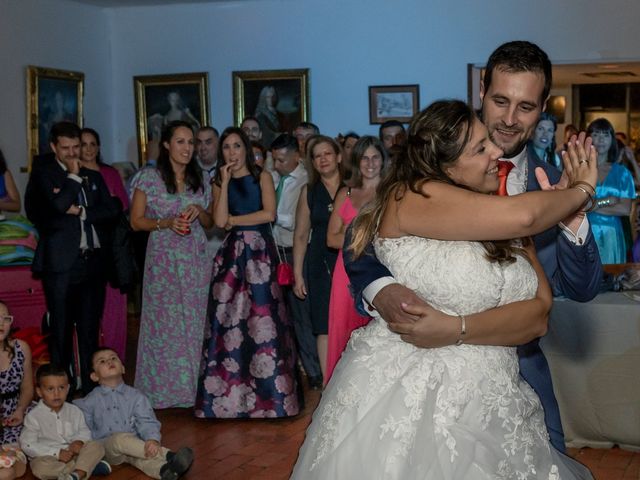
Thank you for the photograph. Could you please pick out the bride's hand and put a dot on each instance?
(432, 328)
(581, 160)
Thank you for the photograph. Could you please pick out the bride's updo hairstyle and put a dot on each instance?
(437, 137)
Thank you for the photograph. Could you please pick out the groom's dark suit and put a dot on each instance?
(574, 271)
(73, 280)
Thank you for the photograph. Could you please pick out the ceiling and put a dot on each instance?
(141, 3)
(618, 72)
(563, 75)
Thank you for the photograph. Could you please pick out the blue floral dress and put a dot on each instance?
(248, 358)
(607, 229)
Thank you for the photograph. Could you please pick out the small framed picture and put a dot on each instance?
(393, 102)
(161, 99)
(52, 96)
(279, 99)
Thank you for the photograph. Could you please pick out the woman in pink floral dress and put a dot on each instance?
(248, 359)
(171, 202)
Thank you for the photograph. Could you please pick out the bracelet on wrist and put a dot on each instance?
(463, 330)
(157, 224)
(585, 184)
(589, 204)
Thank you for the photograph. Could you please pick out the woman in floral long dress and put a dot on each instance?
(171, 201)
(248, 359)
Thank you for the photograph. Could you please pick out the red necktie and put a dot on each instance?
(504, 167)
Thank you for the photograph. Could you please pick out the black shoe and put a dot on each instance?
(315, 383)
(102, 469)
(177, 464)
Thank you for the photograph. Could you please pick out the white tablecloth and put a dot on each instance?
(593, 350)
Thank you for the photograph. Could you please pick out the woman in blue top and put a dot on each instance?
(614, 193)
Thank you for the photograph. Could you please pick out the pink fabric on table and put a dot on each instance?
(113, 325)
(343, 316)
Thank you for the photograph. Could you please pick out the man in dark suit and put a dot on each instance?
(72, 210)
(514, 91)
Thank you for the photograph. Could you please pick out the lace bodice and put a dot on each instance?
(455, 276)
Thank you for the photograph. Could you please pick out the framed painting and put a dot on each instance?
(278, 99)
(393, 102)
(52, 96)
(161, 99)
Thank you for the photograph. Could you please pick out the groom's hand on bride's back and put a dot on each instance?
(388, 302)
(430, 328)
(413, 319)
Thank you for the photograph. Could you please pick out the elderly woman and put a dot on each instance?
(614, 194)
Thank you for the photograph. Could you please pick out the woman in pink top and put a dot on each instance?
(113, 326)
(367, 162)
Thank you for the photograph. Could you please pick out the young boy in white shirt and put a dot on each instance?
(55, 436)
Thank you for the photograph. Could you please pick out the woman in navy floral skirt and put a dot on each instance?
(248, 360)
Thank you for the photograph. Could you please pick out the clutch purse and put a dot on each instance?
(284, 274)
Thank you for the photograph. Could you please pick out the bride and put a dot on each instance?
(395, 411)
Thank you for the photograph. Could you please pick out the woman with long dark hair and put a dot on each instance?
(248, 359)
(543, 141)
(395, 411)
(369, 160)
(171, 201)
(614, 193)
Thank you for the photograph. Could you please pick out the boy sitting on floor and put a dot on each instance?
(122, 418)
(55, 436)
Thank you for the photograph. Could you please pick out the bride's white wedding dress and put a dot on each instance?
(394, 411)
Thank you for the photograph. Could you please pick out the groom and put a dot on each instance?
(514, 91)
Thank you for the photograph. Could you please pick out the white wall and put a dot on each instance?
(347, 44)
(55, 34)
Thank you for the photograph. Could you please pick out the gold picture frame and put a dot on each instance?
(289, 104)
(164, 98)
(53, 95)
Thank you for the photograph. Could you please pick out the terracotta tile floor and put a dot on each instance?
(267, 449)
